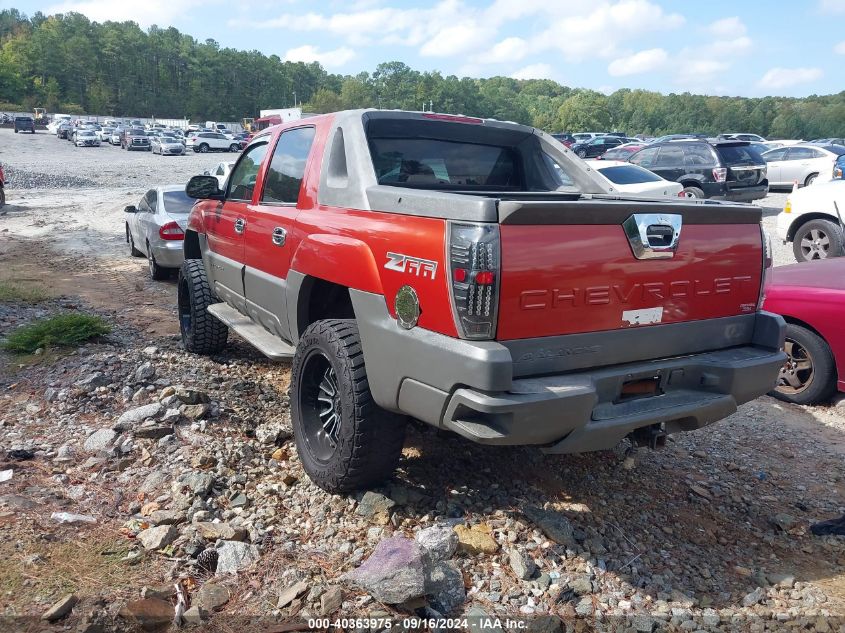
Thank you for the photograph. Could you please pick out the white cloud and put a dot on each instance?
(535, 71)
(456, 39)
(327, 59)
(839, 48)
(511, 49)
(727, 27)
(831, 6)
(642, 62)
(777, 78)
(160, 12)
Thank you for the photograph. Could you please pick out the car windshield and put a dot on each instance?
(177, 202)
(168, 139)
(86, 133)
(138, 133)
(740, 154)
(628, 174)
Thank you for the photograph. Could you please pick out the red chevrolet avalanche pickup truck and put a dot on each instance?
(478, 276)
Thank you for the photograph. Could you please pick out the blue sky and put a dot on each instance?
(780, 47)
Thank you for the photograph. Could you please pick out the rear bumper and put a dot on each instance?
(168, 253)
(745, 194)
(469, 387)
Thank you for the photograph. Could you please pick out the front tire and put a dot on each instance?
(581, 153)
(202, 333)
(344, 439)
(133, 252)
(809, 374)
(818, 239)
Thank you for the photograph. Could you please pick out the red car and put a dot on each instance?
(811, 298)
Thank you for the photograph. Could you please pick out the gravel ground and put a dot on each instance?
(709, 533)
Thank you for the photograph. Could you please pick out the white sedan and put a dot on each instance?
(634, 180)
(811, 221)
(800, 164)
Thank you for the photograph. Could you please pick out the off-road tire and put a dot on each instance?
(157, 273)
(133, 252)
(370, 438)
(693, 192)
(822, 383)
(205, 334)
(830, 230)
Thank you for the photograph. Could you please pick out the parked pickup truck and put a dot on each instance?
(478, 276)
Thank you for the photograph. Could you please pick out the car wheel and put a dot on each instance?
(581, 153)
(133, 252)
(818, 239)
(16, 131)
(203, 148)
(693, 192)
(810, 179)
(344, 439)
(808, 376)
(202, 333)
(234, 147)
(157, 273)
(2, 197)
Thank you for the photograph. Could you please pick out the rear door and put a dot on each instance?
(670, 162)
(225, 226)
(774, 164)
(269, 237)
(796, 165)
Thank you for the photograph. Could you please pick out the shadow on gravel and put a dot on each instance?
(711, 517)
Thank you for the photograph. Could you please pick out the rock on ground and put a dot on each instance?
(234, 556)
(444, 584)
(556, 526)
(439, 542)
(476, 539)
(60, 608)
(376, 507)
(99, 440)
(137, 415)
(393, 573)
(158, 537)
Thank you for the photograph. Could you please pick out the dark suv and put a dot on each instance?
(135, 138)
(728, 170)
(24, 124)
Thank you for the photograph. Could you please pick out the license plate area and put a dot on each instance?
(638, 388)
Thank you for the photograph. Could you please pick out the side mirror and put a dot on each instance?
(130, 209)
(203, 188)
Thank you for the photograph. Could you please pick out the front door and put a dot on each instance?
(225, 225)
(270, 236)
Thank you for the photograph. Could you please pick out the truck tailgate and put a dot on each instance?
(570, 268)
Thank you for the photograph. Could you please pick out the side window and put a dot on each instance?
(645, 158)
(799, 153)
(150, 201)
(777, 154)
(284, 176)
(698, 156)
(670, 156)
(243, 177)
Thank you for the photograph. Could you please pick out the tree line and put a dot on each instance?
(68, 63)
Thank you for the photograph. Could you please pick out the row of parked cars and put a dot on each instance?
(157, 139)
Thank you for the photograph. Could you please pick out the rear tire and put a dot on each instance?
(694, 192)
(2, 197)
(810, 179)
(818, 239)
(234, 147)
(201, 332)
(809, 374)
(344, 439)
(157, 273)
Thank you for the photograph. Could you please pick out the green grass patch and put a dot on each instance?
(65, 330)
(17, 292)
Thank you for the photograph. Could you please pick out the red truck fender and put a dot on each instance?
(341, 260)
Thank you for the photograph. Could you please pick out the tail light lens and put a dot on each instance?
(720, 174)
(474, 275)
(171, 231)
(767, 266)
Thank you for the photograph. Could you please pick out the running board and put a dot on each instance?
(268, 344)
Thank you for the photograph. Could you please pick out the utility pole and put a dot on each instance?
(294, 99)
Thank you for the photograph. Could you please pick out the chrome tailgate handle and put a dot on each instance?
(653, 235)
(279, 236)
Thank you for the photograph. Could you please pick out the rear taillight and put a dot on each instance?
(720, 174)
(767, 266)
(171, 231)
(473, 254)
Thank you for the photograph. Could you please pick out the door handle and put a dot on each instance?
(279, 236)
(240, 225)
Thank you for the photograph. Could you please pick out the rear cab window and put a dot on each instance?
(460, 157)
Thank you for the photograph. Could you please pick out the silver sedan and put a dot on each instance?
(155, 229)
(167, 145)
